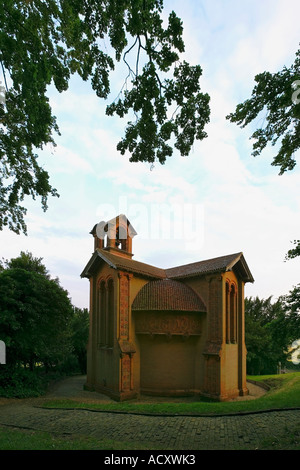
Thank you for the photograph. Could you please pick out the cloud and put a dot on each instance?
(69, 162)
(239, 202)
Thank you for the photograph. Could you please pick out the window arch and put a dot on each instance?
(110, 314)
(101, 314)
(231, 312)
(105, 313)
(227, 312)
(233, 315)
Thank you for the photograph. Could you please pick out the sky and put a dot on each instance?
(218, 200)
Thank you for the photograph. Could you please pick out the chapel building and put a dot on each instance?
(164, 332)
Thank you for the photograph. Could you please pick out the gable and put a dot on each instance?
(123, 264)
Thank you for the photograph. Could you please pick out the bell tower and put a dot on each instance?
(114, 236)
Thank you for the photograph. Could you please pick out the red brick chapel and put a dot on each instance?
(167, 332)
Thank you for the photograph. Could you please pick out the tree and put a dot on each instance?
(294, 252)
(35, 315)
(46, 42)
(291, 303)
(79, 337)
(276, 95)
(256, 338)
(269, 332)
(28, 262)
(276, 99)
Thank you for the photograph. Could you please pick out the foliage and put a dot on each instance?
(294, 252)
(34, 316)
(270, 329)
(75, 361)
(262, 354)
(28, 262)
(275, 101)
(46, 42)
(44, 334)
(275, 95)
(291, 303)
(35, 312)
(22, 382)
(79, 337)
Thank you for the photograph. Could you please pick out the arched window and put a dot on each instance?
(101, 314)
(227, 294)
(233, 315)
(231, 312)
(110, 314)
(105, 314)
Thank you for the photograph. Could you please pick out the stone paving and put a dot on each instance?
(156, 432)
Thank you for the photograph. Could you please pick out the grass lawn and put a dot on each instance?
(284, 393)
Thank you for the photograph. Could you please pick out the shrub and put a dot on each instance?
(21, 382)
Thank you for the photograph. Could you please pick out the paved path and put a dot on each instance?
(184, 433)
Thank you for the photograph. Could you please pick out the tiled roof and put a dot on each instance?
(167, 294)
(220, 264)
(126, 264)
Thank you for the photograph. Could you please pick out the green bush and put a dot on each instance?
(22, 383)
